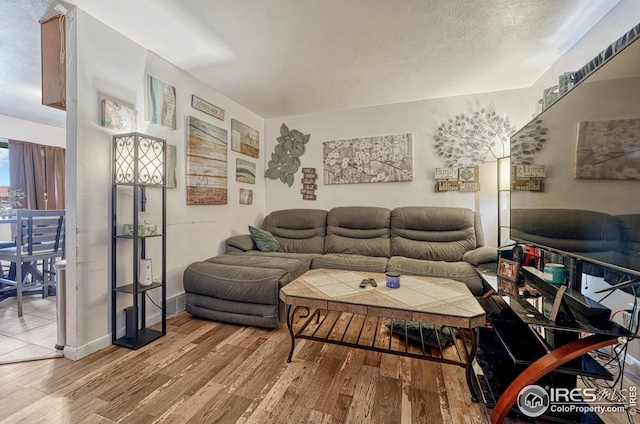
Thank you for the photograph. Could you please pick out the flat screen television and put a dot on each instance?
(590, 207)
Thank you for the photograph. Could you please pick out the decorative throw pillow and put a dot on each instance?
(264, 240)
(430, 332)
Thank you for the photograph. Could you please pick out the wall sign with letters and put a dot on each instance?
(206, 107)
(457, 179)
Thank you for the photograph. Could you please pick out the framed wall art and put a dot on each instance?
(206, 163)
(117, 117)
(246, 196)
(245, 139)
(368, 160)
(245, 171)
(172, 154)
(159, 103)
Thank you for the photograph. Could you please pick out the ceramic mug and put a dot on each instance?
(554, 273)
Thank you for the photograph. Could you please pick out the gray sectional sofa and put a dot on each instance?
(242, 286)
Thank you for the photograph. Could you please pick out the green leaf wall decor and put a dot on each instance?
(285, 159)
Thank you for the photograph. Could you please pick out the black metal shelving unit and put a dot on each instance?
(139, 165)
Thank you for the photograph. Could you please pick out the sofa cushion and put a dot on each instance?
(298, 230)
(459, 271)
(264, 240)
(358, 230)
(481, 255)
(350, 262)
(251, 277)
(571, 230)
(432, 233)
(243, 313)
(239, 243)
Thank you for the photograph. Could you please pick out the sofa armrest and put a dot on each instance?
(241, 243)
(481, 255)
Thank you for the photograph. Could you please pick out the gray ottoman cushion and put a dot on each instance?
(256, 314)
(252, 277)
(459, 271)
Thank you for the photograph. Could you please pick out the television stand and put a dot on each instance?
(522, 346)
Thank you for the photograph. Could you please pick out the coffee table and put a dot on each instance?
(338, 311)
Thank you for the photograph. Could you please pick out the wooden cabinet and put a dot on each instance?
(53, 48)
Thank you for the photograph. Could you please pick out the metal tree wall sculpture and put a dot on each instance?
(285, 160)
(471, 140)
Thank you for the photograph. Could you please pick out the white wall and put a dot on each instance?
(422, 119)
(108, 65)
(33, 132)
(624, 16)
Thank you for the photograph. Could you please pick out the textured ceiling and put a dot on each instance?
(288, 57)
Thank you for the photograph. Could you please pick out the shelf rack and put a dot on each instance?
(139, 164)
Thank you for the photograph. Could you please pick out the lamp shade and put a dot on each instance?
(138, 158)
(504, 173)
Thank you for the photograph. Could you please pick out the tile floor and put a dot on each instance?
(32, 336)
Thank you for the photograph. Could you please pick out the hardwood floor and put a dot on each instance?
(208, 372)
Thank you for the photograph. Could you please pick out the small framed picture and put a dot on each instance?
(508, 269)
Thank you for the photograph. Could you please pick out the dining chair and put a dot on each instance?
(39, 242)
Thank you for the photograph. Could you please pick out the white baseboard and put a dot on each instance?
(76, 353)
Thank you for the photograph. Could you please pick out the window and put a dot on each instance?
(4, 172)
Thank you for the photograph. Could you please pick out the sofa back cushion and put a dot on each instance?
(629, 235)
(358, 230)
(571, 230)
(432, 233)
(298, 230)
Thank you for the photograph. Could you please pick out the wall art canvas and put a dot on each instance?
(159, 103)
(245, 171)
(206, 107)
(206, 163)
(246, 196)
(609, 150)
(172, 154)
(244, 139)
(368, 160)
(117, 117)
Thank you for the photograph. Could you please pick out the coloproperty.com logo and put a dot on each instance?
(535, 400)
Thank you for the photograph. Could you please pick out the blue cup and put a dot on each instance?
(393, 280)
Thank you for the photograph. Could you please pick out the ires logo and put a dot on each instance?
(533, 401)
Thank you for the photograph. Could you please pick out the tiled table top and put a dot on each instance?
(426, 299)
